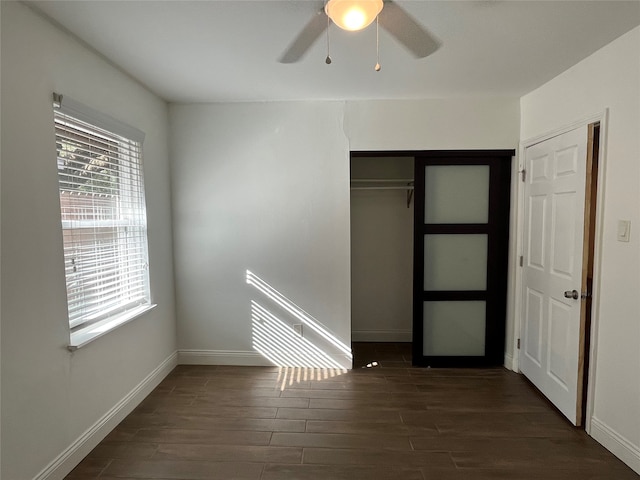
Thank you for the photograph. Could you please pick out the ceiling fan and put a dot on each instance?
(393, 18)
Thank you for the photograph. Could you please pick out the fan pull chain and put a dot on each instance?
(328, 59)
(377, 67)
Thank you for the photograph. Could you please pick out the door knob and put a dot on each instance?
(572, 294)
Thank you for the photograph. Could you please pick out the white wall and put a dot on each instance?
(610, 78)
(265, 187)
(381, 253)
(434, 124)
(261, 187)
(50, 397)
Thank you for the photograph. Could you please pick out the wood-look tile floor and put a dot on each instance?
(390, 421)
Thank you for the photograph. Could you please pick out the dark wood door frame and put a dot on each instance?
(498, 230)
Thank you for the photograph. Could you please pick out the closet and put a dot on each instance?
(381, 248)
(429, 243)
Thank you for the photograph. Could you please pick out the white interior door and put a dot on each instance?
(554, 200)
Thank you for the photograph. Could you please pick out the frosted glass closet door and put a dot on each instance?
(455, 194)
(454, 328)
(461, 221)
(455, 262)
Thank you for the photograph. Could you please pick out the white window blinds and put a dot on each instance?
(103, 214)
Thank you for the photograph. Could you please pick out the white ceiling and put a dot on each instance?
(219, 51)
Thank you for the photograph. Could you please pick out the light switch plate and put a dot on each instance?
(624, 230)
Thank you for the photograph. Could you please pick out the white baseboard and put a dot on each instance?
(508, 361)
(381, 336)
(222, 357)
(616, 444)
(241, 358)
(80, 448)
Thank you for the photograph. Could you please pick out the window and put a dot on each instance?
(104, 226)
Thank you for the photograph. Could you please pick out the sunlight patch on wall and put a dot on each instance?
(282, 345)
(288, 336)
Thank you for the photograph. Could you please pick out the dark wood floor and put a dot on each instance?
(388, 421)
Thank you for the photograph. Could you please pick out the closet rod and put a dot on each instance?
(406, 187)
(381, 180)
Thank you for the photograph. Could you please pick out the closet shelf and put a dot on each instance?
(385, 184)
(382, 180)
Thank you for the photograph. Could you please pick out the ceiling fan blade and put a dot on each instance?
(395, 20)
(305, 38)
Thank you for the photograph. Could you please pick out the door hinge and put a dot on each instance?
(524, 174)
(521, 260)
(518, 344)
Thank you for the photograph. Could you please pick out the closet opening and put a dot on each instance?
(382, 259)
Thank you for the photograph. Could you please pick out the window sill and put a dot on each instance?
(87, 335)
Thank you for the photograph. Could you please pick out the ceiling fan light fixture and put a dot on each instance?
(353, 15)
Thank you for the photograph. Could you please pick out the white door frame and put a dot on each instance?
(515, 293)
